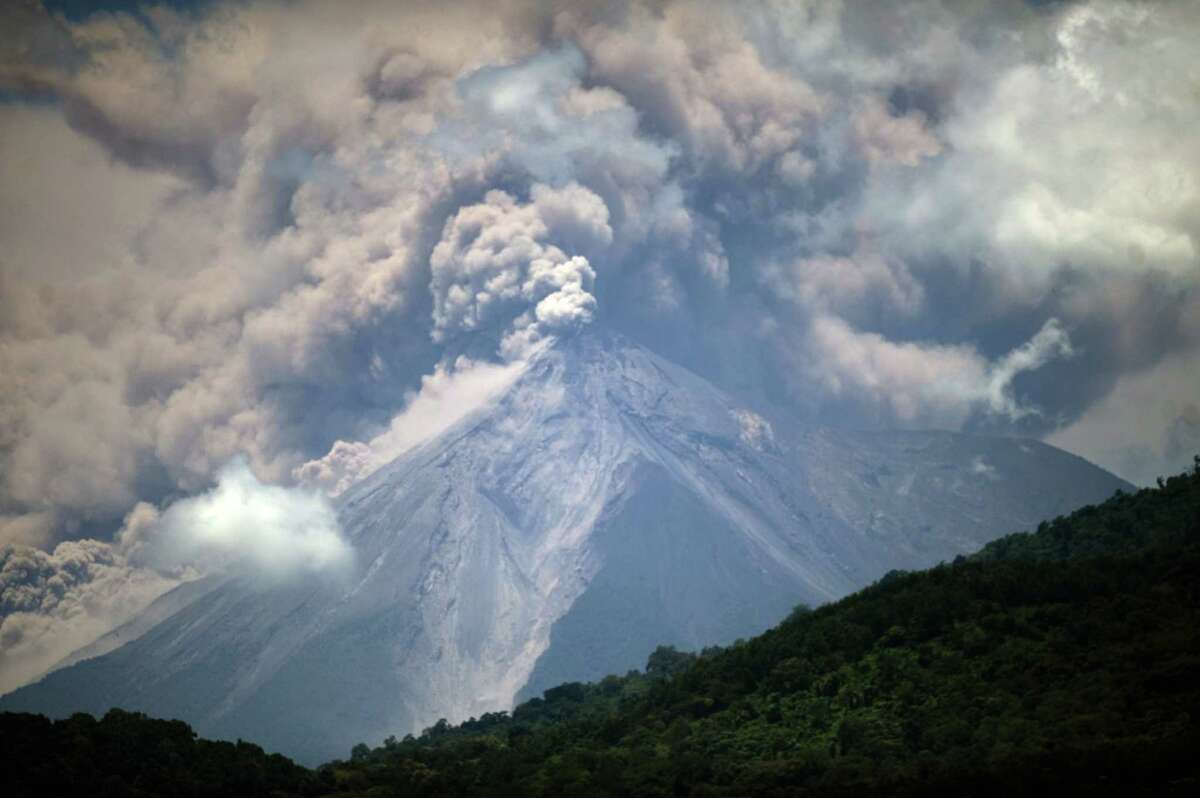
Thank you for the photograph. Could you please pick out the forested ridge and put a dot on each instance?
(1063, 660)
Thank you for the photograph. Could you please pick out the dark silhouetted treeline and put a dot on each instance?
(129, 754)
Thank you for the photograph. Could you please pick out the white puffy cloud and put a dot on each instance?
(269, 531)
(754, 430)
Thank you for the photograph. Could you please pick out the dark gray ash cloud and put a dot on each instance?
(306, 234)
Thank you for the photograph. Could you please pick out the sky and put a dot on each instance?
(251, 250)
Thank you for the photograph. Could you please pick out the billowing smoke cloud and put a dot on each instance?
(302, 233)
(1148, 427)
(925, 384)
(888, 139)
(449, 394)
(52, 603)
(495, 262)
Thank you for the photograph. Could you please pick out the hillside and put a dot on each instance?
(1061, 660)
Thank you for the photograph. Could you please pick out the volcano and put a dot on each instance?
(607, 502)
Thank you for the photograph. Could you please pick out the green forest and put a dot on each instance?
(1064, 660)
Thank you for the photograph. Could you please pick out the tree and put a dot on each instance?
(666, 661)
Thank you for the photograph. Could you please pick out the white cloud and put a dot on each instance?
(754, 430)
(982, 467)
(1050, 342)
(243, 525)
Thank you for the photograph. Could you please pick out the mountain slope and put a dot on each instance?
(607, 502)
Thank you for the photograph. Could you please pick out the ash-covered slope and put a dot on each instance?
(607, 502)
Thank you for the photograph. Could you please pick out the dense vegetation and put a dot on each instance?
(126, 753)
(1063, 660)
